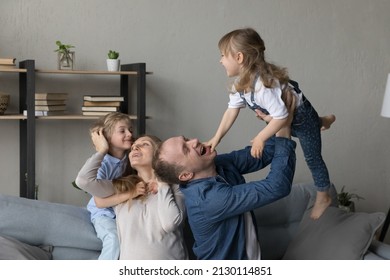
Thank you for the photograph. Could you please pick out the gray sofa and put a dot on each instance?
(32, 229)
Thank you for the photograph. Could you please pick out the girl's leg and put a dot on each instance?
(308, 130)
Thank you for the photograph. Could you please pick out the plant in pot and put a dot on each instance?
(345, 200)
(112, 61)
(65, 56)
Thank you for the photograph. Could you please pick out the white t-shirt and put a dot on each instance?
(267, 98)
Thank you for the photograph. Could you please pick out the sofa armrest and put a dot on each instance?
(39, 223)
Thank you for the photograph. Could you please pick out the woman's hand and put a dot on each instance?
(99, 141)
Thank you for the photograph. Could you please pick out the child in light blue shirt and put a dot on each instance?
(118, 131)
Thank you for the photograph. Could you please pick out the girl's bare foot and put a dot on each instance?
(327, 121)
(322, 202)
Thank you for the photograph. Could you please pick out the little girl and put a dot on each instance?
(263, 87)
(117, 128)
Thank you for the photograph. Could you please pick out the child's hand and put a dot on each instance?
(152, 187)
(140, 189)
(99, 141)
(213, 143)
(257, 147)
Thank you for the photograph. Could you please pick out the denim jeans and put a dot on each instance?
(306, 126)
(106, 231)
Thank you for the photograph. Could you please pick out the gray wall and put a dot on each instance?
(338, 50)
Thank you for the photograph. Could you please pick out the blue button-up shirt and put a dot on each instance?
(111, 168)
(216, 205)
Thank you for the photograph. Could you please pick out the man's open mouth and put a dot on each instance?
(202, 150)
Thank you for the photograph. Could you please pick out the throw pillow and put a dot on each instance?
(13, 249)
(336, 235)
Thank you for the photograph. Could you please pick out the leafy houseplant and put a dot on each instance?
(65, 56)
(112, 61)
(345, 200)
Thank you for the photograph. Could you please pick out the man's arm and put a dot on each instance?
(241, 198)
(245, 197)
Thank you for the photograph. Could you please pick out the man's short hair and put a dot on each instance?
(166, 172)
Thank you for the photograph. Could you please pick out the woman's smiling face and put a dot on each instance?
(141, 153)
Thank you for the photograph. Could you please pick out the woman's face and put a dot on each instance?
(141, 153)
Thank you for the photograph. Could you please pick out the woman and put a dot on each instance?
(150, 223)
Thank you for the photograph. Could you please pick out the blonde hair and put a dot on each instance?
(108, 123)
(251, 45)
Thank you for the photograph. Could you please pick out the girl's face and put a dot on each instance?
(121, 138)
(232, 63)
(141, 153)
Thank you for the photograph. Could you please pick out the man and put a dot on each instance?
(217, 199)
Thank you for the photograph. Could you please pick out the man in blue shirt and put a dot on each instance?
(217, 199)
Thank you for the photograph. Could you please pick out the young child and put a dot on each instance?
(263, 87)
(117, 129)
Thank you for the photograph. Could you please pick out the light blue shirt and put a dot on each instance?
(111, 168)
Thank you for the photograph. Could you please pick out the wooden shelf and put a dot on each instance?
(74, 117)
(12, 117)
(90, 72)
(27, 124)
(15, 70)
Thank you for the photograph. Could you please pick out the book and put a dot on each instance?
(49, 102)
(45, 113)
(7, 66)
(50, 96)
(103, 98)
(101, 108)
(102, 103)
(92, 113)
(9, 61)
(50, 107)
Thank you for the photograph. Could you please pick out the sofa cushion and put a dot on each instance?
(336, 235)
(12, 249)
(278, 222)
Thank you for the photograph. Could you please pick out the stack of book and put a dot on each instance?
(49, 104)
(7, 63)
(100, 105)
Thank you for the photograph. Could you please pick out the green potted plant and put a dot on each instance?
(112, 61)
(65, 56)
(345, 200)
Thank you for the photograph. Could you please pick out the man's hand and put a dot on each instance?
(260, 115)
(286, 130)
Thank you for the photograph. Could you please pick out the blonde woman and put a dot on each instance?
(149, 223)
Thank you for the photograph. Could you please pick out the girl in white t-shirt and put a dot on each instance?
(265, 87)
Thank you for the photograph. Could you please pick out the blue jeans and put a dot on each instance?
(106, 231)
(306, 126)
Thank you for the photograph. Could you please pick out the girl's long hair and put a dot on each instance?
(251, 45)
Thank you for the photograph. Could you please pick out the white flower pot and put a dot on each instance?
(113, 64)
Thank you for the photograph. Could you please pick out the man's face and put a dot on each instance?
(190, 154)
